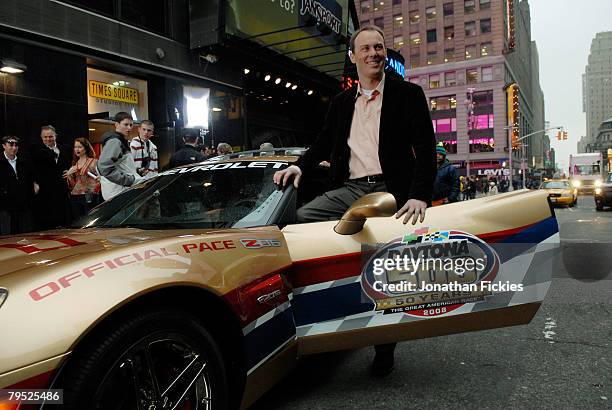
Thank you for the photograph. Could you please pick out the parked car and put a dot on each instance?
(603, 193)
(198, 288)
(560, 192)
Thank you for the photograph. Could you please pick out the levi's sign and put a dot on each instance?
(494, 172)
(113, 92)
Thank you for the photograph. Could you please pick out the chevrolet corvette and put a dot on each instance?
(197, 289)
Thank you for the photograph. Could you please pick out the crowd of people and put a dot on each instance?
(52, 184)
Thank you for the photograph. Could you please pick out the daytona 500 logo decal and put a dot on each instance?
(429, 273)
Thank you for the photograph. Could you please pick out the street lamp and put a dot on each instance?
(469, 104)
(509, 129)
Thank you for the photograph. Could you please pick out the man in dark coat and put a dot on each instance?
(17, 189)
(50, 160)
(446, 187)
(189, 154)
(377, 136)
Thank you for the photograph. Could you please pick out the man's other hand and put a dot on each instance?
(282, 178)
(414, 209)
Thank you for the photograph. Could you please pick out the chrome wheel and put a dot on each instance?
(161, 371)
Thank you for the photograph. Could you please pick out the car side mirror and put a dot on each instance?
(368, 206)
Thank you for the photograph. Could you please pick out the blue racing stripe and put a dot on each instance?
(264, 339)
(522, 241)
(328, 304)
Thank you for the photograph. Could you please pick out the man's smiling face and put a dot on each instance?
(369, 55)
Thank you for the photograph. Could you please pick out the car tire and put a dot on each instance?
(110, 370)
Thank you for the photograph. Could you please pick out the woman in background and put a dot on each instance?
(83, 179)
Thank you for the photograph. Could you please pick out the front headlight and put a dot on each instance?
(576, 183)
(3, 296)
(598, 183)
(597, 191)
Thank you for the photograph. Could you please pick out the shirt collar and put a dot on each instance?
(379, 88)
(8, 159)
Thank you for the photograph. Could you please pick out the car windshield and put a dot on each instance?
(556, 185)
(586, 169)
(214, 195)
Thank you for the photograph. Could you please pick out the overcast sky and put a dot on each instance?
(563, 30)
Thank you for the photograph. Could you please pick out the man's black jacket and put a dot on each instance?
(16, 191)
(447, 183)
(406, 148)
(48, 172)
(186, 155)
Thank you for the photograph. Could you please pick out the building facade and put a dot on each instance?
(597, 84)
(237, 72)
(478, 66)
(602, 141)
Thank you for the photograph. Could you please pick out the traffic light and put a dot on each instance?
(564, 135)
(559, 135)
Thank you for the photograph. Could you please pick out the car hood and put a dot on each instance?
(558, 191)
(45, 249)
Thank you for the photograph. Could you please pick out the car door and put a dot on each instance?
(336, 305)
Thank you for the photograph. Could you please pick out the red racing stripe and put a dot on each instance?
(319, 270)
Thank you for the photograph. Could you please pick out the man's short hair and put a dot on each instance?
(224, 148)
(48, 128)
(266, 146)
(190, 136)
(365, 28)
(122, 115)
(147, 122)
(9, 138)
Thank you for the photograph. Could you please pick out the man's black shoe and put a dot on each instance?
(383, 363)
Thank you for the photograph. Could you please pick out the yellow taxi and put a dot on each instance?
(560, 191)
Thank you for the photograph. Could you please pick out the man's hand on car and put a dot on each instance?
(414, 209)
(282, 178)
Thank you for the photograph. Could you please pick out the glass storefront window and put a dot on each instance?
(448, 102)
(449, 55)
(366, 6)
(450, 78)
(448, 9)
(398, 22)
(484, 121)
(430, 13)
(486, 49)
(471, 75)
(434, 81)
(487, 73)
(482, 145)
(398, 42)
(483, 98)
(469, 6)
(378, 5)
(449, 32)
(470, 28)
(432, 57)
(470, 52)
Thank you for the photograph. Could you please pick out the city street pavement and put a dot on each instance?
(562, 359)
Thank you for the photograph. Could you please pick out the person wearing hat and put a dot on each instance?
(446, 186)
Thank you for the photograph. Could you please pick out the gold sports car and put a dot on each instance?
(197, 289)
(560, 192)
